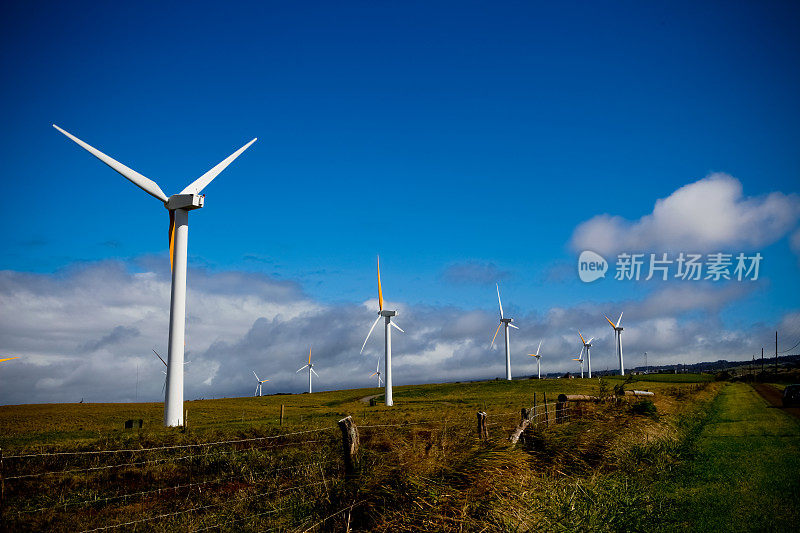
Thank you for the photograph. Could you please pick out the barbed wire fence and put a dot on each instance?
(276, 480)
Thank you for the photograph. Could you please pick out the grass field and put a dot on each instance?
(420, 465)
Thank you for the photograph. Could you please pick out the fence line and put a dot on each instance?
(156, 461)
(175, 487)
(173, 447)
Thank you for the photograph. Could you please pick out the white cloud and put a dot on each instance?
(708, 215)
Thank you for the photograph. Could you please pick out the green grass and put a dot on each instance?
(746, 474)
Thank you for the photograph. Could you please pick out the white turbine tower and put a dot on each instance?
(178, 206)
(167, 366)
(580, 361)
(587, 345)
(538, 361)
(618, 342)
(259, 382)
(311, 370)
(505, 323)
(388, 325)
(377, 372)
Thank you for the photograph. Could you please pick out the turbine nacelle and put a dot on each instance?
(386, 313)
(184, 201)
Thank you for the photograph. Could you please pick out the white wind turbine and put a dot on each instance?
(587, 345)
(538, 357)
(178, 206)
(167, 366)
(377, 372)
(618, 342)
(580, 361)
(388, 325)
(505, 323)
(260, 382)
(311, 370)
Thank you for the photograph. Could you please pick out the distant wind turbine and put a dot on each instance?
(311, 370)
(587, 345)
(580, 361)
(618, 342)
(388, 325)
(505, 323)
(377, 372)
(178, 206)
(260, 382)
(538, 357)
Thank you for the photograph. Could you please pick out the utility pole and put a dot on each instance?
(776, 352)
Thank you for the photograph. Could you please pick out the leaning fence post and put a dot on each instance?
(523, 424)
(350, 443)
(483, 433)
(546, 415)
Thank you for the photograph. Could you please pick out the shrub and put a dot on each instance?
(645, 407)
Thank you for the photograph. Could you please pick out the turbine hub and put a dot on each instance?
(388, 313)
(184, 201)
(507, 320)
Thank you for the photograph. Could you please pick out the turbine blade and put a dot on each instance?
(620, 319)
(146, 184)
(398, 327)
(309, 355)
(581, 336)
(314, 372)
(264, 380)
(380, 290)
(164, 386)
(539, 348)
(373, 374)
(498, 299)
(162, 359)
(200, 183)
(609, 321)
(513, 326)
(495, 333)
(256, 375)
(8, 359)
(370, 333)
(590, 341)
(301, 368)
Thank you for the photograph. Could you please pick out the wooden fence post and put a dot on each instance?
(523, 424)
(281, 414)
(546, 414)
(483, 433)
(350, 444)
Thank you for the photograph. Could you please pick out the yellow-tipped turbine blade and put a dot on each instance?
(609, 321)
(171, 237)
(309, 355)
(8, 359)
(495, 333)
(380, 290)
(581, 336)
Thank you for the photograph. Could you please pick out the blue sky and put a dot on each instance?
(443, 136)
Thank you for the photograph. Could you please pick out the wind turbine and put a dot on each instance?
(388, 325)
(580, 361)
(587, 345)
(310, 367)
(165, 374)
(178, 206)
(505, 323)
(260, 382)
(618, 342)
(377, 372)
(538, 361)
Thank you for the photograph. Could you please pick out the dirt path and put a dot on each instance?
(366, 399)
(774, 398)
